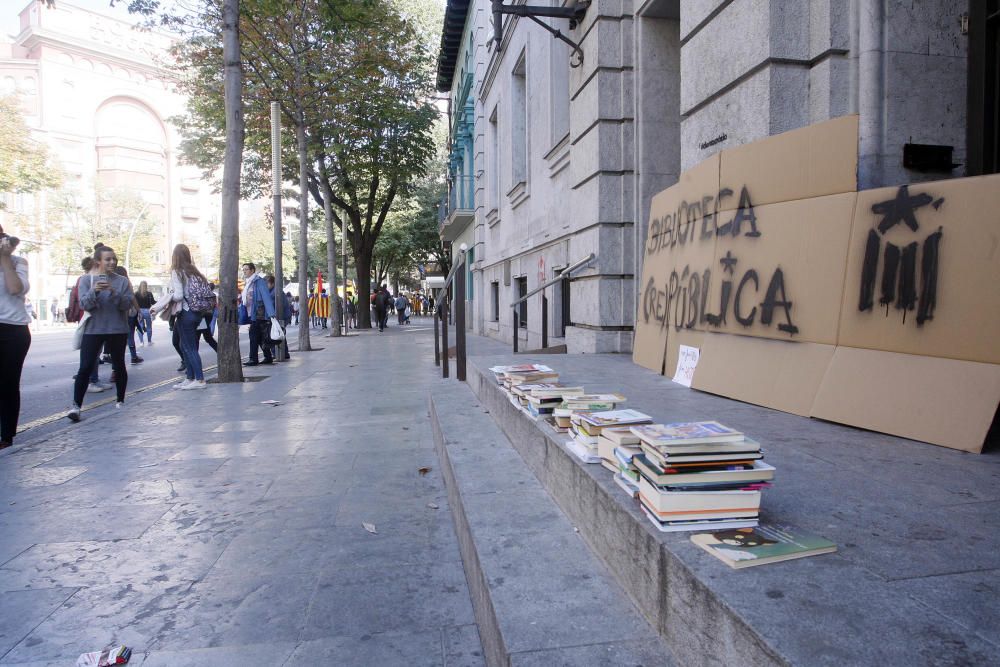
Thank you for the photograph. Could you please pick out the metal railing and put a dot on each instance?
(563, 275)
(442, 313)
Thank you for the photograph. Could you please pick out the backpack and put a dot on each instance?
(199, 295)
(74, 312)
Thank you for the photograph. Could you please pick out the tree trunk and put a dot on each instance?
(303, 260)
(331, 259)
(230, 359)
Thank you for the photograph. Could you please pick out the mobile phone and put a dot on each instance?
(102, 278)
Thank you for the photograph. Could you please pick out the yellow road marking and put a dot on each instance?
(42, 421)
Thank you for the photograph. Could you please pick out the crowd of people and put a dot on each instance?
(112, 317)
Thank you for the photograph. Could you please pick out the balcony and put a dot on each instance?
(457, 209)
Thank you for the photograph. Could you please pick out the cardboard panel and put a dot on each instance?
(813, 161)
(776, 374)
(798, 257)
(965, 318)
(674, 242)
(942, 401)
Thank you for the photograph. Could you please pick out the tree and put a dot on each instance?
(360, 104)
(25, 164)
(205, 23)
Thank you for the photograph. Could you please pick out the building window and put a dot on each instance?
(522, 308)
(493, 178)
(495, 300)
(559, 56)
(519, 124)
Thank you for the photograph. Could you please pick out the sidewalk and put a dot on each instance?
(203, 528)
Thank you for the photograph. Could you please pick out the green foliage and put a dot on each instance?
(24, 166)
(109, 220)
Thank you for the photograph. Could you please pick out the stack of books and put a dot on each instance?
(562, 414)
(587, 427)
(500, 372)
(542, 398)
(699, 475)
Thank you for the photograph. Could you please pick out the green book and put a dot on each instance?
(766, 543)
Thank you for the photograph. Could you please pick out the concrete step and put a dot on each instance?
(888, 597)
(540, 595)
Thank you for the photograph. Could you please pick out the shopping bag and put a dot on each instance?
(277, 333)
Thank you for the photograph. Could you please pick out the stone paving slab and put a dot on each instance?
(202, 528)
(915, 578)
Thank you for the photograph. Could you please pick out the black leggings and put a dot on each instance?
(15, 339)
(114, 344)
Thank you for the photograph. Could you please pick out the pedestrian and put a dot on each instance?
(15, 336)
(401, 305)
(381, 308)
(54, 311)
(74, 312)
(260, 309)
(32, 315)
(295, 307)
(146, 300)
(324, 308)
(352, 311)
(286, 316)
(133, 319)
(192, 291)
(107, 297)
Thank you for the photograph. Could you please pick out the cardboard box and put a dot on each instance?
(965, 321)
(813, 161)
(946, 402)
(801, 253)
(673, 242)
(776, 374)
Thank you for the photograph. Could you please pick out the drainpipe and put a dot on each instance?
(869, 20)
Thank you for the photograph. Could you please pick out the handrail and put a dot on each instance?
(562, 276)
(451, 274)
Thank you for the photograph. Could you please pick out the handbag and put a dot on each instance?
(81, 328)
(243, 315)
(277, 333)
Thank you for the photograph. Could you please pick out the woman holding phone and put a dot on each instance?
(106, 297)
(15, 338)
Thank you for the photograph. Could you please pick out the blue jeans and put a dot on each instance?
(147, 324)
(188, 323)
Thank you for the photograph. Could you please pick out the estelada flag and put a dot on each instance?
(319, 306)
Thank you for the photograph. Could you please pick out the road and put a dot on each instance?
(47, 380)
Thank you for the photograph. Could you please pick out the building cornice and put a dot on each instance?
(98, 52)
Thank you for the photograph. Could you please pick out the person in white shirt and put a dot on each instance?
(15, 338)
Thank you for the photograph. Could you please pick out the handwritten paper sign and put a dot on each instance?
(687, 361)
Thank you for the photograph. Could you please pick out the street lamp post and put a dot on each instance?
(279, 283)
(131, 234)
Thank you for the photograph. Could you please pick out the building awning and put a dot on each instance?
(451, 42)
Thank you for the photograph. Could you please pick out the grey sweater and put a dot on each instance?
(108, 309)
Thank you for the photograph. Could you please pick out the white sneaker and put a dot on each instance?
(195, 384)
(183, 385)
(74, 414)
(105, 385)
(119, 405)
(141, 344)
(150, 343)
(94, 389)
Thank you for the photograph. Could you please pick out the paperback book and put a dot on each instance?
(767, 543)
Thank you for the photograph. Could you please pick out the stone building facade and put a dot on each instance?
(98, 94)
(565, 160)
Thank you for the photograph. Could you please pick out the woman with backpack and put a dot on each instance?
(106, 297)
(191, 289)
